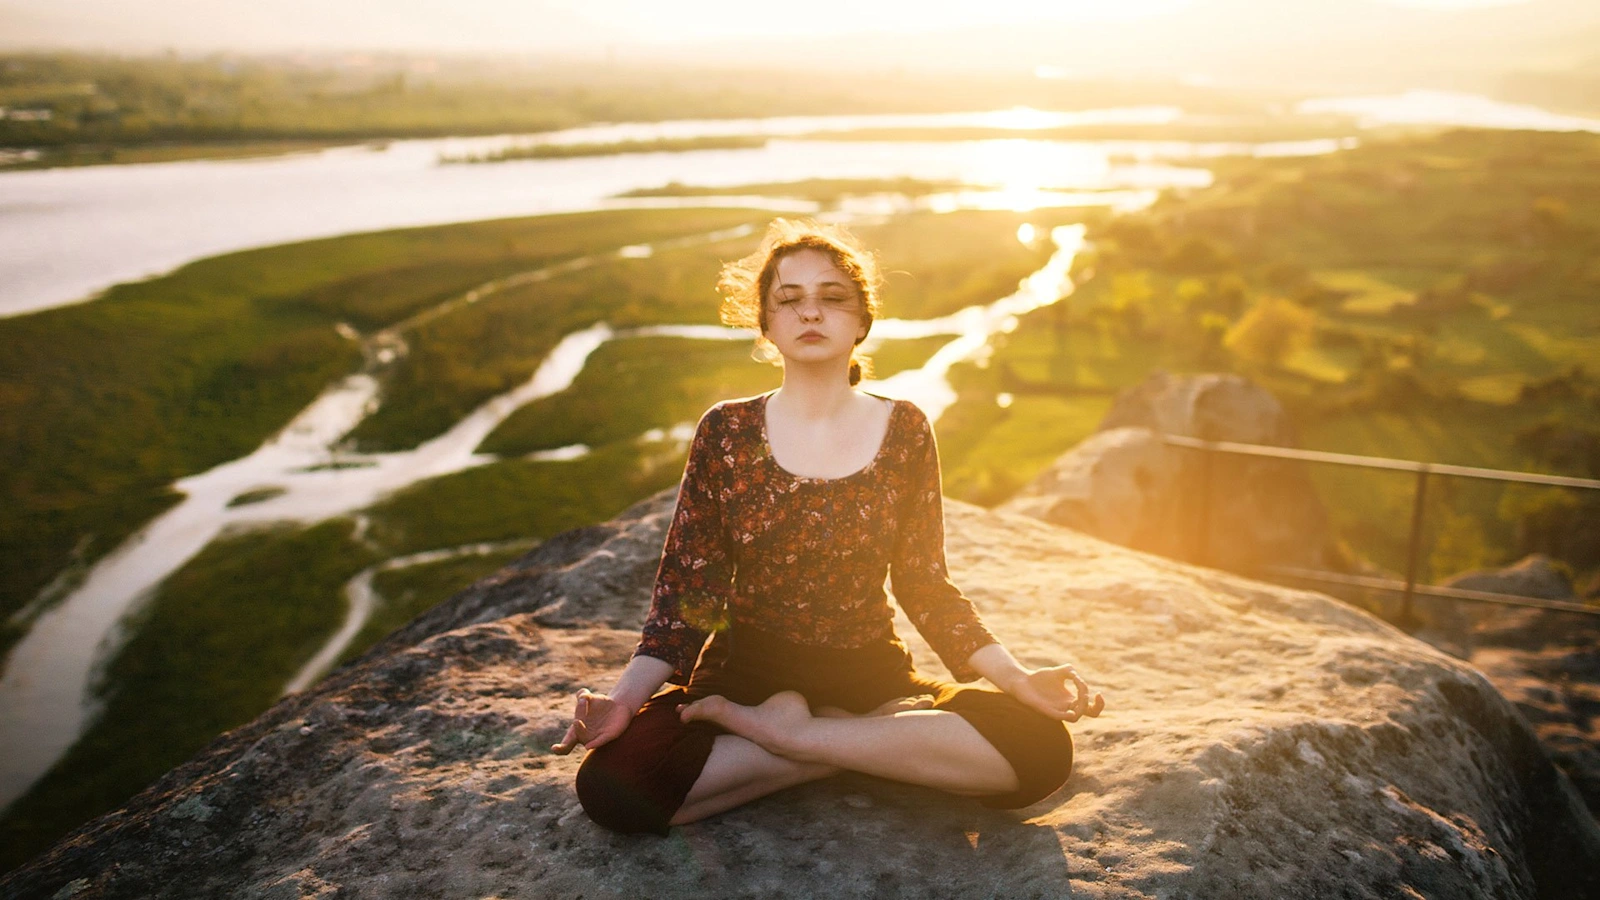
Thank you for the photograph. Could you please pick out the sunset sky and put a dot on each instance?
(1438, 42)
(513, 24)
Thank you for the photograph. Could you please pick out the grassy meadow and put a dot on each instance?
(198, 367)
(612, 148)
(1431, 299)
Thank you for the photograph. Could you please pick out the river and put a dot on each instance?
(68, 233)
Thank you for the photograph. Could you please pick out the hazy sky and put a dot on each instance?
(544, 25)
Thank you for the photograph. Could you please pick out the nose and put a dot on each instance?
(808, 309)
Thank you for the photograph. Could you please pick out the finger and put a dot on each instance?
(1069, 677)
(1099, 705)
(1083, 686)
(568, 741)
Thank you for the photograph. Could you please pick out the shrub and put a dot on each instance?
(1271, 330)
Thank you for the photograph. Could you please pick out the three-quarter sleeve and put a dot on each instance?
(922, 585)
(695, 577)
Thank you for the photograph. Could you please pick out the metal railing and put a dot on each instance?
(1423, 471)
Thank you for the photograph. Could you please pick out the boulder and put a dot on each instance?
(1458, 626)
(1213, 407)
(1127, 485)
(1536, 576)
(1546, 662)
(1257, 742)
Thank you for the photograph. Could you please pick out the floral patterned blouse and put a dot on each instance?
(806, 557)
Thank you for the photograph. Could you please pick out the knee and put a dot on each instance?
(1055, 741)
(1049, 757)
(1063, 752)
(620, 797)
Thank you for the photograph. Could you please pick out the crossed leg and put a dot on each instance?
(780, 743)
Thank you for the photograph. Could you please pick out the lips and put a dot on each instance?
(813, 334)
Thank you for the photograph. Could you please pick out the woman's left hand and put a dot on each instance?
(1047, 691)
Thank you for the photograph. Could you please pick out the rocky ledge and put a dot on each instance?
(1258, 742)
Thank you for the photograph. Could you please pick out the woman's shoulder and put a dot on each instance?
(738, 415)
(912, 420)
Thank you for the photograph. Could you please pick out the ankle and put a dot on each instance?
(803, 742)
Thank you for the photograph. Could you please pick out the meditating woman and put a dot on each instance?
(793, 505)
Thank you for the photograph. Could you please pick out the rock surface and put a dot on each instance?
(1125, 484)
(1215, 407)
(1534, 576)
(1258, 742)
(1547, 662)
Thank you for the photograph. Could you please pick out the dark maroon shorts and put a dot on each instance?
(637, 782)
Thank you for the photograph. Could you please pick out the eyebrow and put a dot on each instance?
(790, 284)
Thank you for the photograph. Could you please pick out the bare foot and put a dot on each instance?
(898, 704)
(773, 725)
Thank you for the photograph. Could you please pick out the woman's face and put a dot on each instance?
(813, 308)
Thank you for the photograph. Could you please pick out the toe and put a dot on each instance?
(704, 708)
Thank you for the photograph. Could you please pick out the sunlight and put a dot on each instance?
(716, 19)
(1454, 4)
(1026, 118)
(1021, 168)
(1431, 107)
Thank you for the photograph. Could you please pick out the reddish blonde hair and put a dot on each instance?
(744, 284)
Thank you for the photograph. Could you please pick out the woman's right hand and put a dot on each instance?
(597, 721)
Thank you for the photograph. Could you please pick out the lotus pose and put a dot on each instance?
(769, 656)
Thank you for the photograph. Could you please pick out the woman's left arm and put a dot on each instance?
(1045, 690)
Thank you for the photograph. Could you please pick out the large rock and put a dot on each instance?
(1537, 576)
(1547, 662)
(1215, 407)
(1458, 626)
(1258, 742)
(1125, 484)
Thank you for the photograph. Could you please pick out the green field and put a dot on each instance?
(822, 190)
(614, 148)
(199, 366)
(1429, 299)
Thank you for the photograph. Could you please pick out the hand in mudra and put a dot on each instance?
(1046, 690)
(597, 720)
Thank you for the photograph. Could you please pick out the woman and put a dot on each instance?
(793, 505)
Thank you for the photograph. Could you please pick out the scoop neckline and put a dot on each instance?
(883, 446)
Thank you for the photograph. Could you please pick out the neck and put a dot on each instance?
(814, 392)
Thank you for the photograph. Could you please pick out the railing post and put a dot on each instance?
(1415, 544)
(1202, 538)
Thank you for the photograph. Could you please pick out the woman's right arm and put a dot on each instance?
(694, 581)
(640, 680)
(692, 588)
